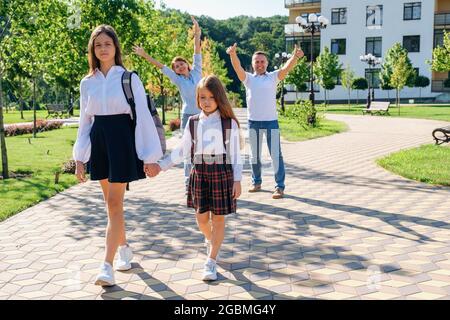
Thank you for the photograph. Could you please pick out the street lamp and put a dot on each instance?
(280, 59)
(312, 25)
(372, 61)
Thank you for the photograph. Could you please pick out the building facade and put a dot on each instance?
(359, 27)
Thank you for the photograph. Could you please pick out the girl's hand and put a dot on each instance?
(139, 51)
(197, 30)
(152, 169)
(236, 190)
(80, 172)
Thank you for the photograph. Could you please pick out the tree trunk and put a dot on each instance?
(349, 99)
(21, 99)
(34, 108)
(398, 101)
(357, 97)
(5, 171)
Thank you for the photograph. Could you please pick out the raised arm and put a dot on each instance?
(232, 51)
(290, 64)
(197, 35)
(141, 52)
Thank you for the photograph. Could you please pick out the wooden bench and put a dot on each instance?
(441, 135)
(377, 107)
(56, 110)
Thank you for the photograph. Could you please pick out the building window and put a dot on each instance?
(373, 46)
(338, 46)
(374, 16)
(439, 37)
(412, 11)
(411, 43)
(339, 16)
(304, 42)
(373, 77)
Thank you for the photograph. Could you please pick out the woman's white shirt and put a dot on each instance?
(100, 95)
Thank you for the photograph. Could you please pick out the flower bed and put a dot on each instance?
(41, 125)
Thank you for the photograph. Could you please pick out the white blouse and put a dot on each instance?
(209, 141)
(100, 95)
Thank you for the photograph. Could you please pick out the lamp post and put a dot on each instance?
(281, 59)
(312, 25)
(372, 61)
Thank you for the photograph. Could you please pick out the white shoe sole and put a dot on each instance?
(124, 268)
(209, 278)
(103, 283)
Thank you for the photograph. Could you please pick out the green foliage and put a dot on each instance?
(347, 77)
(327, 69)
(401, 73)
(299, 75)
(305, 113)
(422, 82)
(447, 83)
(360, 84)
(441, 56)
(387, 68)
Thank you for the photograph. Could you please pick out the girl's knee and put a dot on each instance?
(202, 218)
(218, 220)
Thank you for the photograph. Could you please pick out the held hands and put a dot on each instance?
(298, 52)
(80, 172)
(152, 169)
(237, 190)
(232, 50)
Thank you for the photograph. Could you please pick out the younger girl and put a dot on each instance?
(185, 78)
(215, 179)
(117, 152)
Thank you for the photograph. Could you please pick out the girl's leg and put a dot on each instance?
(115, 231)
(204, 224)
(218, 233)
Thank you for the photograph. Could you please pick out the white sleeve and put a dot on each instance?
(274, 76)
(182, 151)
(82, 147)
(247, 80)
(148, 147)
(235, 151)
(171, 74)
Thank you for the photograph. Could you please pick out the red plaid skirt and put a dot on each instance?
(211, 185)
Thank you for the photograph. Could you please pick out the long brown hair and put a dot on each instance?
(94, 62)
(215, 86)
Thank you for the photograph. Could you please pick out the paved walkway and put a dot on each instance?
(347, 229)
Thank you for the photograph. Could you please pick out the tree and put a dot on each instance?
(347, 78)
(441, 56)
(391, 59)
(359, 84)
(401, 72)
(327, 69)
(422, 82)
(299, 76)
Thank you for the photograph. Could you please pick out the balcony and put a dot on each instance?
(442, 19)
(438, 86)
(301, 3)
(292, 29)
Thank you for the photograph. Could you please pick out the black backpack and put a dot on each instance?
(128, 91)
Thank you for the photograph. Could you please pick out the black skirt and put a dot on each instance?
(113, 150)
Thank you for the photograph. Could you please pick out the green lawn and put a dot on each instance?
(292, 131)
(435, 112)
(428, 163)
(14, 116)
(43, 157)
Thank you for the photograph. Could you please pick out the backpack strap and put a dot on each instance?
(226, 134)
(128, 91)
(193, 125)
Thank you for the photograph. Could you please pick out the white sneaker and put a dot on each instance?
(125, 255)
(106, 276)
(210, 270)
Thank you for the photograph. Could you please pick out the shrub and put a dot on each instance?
(304, 113)
(41, 125)
(174, 124)
(447, 83)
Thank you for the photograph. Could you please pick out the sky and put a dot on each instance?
(224, 9)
